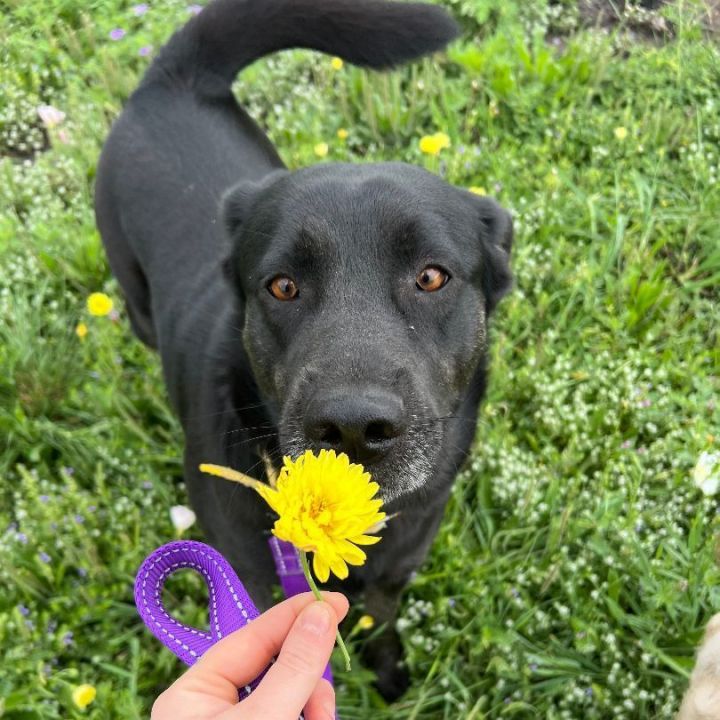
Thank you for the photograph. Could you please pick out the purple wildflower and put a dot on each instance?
(147, 485)
(140, 9)
(69, 470)
(79, 519)
(145, 50)
(22, 537)
(44, 498)
(117, 34)
(92, 508)
(194, 9)
(82, 572)
(44, 556)
(67, 638)
(452, 602)
(51, 626)
(23, 610)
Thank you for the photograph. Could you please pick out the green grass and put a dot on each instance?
(577, 562)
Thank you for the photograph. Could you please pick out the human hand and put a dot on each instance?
(302, 630)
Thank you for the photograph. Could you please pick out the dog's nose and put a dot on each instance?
(364, 425)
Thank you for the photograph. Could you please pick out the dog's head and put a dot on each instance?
(365, 293)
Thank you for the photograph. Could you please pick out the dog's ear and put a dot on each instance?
(496, 236)
(236, 205)
(238, 201)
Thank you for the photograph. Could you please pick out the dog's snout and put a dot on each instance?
(364, 425)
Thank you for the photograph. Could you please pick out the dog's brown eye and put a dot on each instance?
(431, 279)
(283, 288)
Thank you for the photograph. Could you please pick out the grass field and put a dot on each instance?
(577, 562)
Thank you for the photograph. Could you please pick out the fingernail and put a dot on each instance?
(315, 618)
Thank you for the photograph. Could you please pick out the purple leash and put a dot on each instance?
(230, 607)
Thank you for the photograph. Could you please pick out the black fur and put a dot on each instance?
(198, 214)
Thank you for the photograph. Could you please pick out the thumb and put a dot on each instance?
(286, 688)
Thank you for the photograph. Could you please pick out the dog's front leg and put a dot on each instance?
(405, 545)
(384, 653)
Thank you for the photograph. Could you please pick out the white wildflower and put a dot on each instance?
(182, 518)
(706, 473)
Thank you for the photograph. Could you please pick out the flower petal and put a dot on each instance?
(321, 568)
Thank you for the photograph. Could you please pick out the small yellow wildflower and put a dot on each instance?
(478, 190)
(342, 133)
(321, 149)
(99, 304)
(336, 63)
(621, 133)
(366, 622)
(433, 144)
(83, 695)
(325, 505)
(81, 330)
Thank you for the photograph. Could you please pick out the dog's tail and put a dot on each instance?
(228, 35)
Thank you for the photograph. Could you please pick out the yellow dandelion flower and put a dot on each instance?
(99, 304)
(366, 622)
(81, 330)
(621, 133)
(478, 190)
(321, 149)
(342, 133)
(83, 695)
(326, 505)
(336, 63)
(433, 144)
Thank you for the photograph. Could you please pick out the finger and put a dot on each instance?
(289, 683)
(321, 705)
(240, 657)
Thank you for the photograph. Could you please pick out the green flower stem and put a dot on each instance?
(316, 592)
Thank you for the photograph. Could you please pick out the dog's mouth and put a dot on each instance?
(401, 463)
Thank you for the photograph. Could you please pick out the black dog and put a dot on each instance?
(337, 306)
